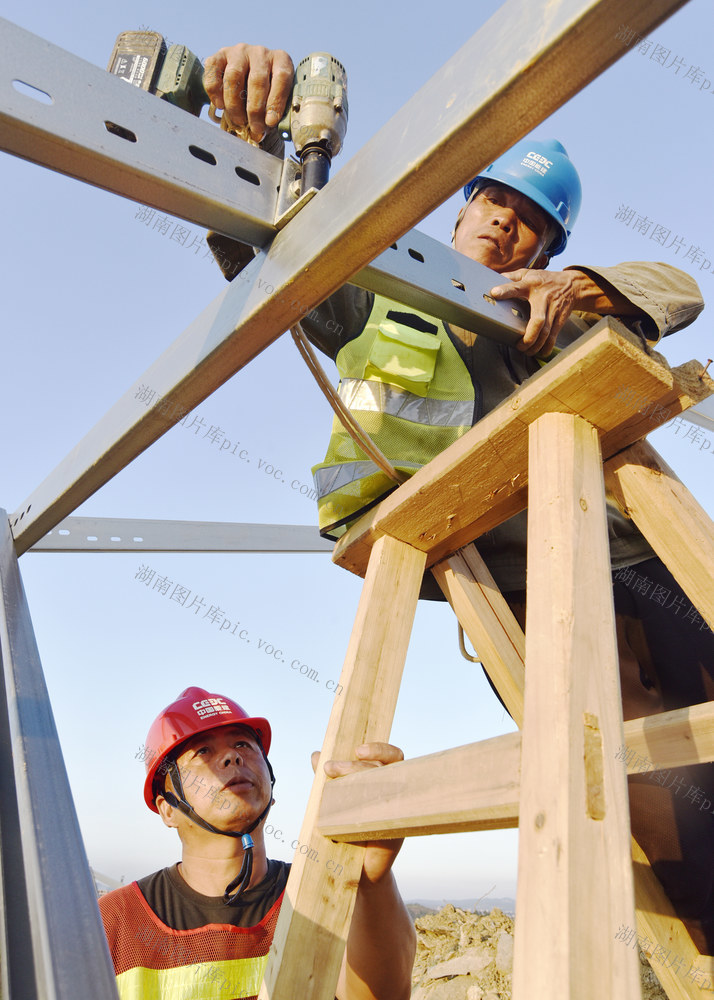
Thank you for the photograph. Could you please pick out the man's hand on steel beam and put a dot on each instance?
(251, 84)
(551, 296)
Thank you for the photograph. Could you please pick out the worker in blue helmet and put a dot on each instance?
(519, 214)
(543, 172)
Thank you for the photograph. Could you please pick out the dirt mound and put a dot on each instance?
(469, 956)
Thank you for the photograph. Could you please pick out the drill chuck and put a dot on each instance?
(317, 120)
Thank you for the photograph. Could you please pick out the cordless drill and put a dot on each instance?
(173, 73)
(315, 119)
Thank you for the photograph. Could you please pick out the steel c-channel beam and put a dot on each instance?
(530, 60)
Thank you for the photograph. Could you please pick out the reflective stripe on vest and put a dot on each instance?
(329, 478)
(413, 395)
(364, 394)
(225, 980)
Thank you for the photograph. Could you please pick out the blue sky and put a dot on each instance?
(92, 295)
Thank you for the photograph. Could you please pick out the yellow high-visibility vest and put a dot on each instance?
(413, 395)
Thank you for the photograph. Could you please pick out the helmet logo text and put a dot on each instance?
(537, 162)
(211, 706)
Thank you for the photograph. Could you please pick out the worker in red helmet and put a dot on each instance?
(201, 929)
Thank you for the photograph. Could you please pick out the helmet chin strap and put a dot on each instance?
(178, 801)
(541, 249)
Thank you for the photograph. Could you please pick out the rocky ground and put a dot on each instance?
(469, 956)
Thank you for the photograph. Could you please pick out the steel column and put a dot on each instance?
(53, 942)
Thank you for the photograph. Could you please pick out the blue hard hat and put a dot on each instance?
(541, 170)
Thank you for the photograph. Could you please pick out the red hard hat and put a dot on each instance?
(194, 711)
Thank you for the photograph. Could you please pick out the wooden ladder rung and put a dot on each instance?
(474, 787)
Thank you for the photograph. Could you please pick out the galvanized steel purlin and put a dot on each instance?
(459, 122)
(117, 534)
(70, 135)
(70, 958)
(429, 276)
(79, 144)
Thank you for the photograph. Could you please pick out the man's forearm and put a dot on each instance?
(599, 296)
(381, 945)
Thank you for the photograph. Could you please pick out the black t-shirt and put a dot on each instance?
(183, 909)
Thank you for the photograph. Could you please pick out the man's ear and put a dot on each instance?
(541, 262)
(167, 812)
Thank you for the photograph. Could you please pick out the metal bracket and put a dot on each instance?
(289, 201)
(427, 275)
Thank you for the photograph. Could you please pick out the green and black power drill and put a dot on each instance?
(315, 119)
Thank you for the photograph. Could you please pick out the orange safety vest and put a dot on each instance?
(155, 962)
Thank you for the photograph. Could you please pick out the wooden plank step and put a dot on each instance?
(482, 479)
(672, 739)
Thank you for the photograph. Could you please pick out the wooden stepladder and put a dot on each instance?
(559, 779)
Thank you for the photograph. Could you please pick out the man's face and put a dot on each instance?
(225, 777)
(502, 229)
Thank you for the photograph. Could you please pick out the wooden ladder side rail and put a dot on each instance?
(487, 620)
(483, 613)
(676, 526)
(575, 885)
(305, 957)
(662, 927)
(682, 534)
